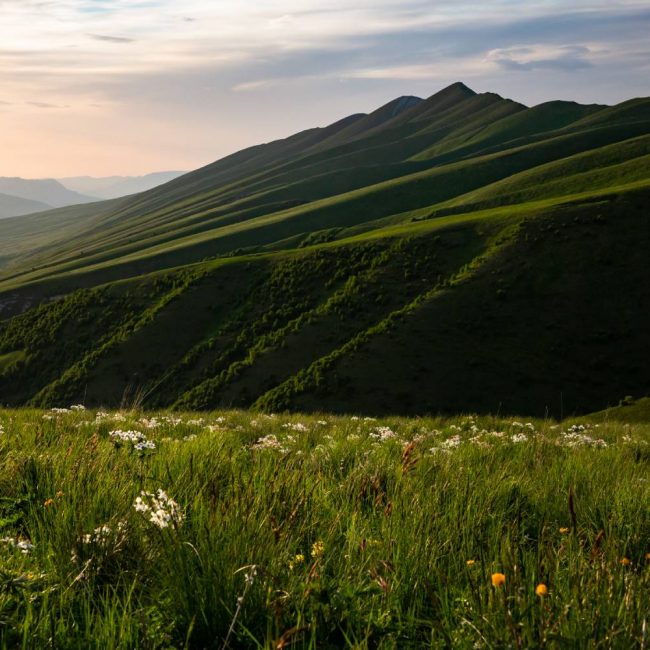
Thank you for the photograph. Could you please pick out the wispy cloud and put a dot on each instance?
(45, 105)
(567, 58)
(111, 39)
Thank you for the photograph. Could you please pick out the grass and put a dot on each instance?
(353, 532)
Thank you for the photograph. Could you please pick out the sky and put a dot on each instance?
(128, 87)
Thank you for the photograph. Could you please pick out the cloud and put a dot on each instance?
(568, 58)
(45, 105)
(111, 39)
(208, 77)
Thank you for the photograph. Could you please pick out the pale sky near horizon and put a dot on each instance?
(103, 87)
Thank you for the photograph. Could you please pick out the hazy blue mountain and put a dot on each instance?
(14, 206)
(45, 190)
(113, 187)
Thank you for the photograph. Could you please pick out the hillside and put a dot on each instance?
(461, 252)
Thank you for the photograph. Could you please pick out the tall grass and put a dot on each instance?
(328, 532)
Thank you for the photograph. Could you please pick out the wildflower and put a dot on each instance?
(625, 561)
(541, 589)
(104, 534)
(162, 509)
(317, 549)
(48, 502)
(471, 562)
(23, 545)
(451, 443)
(564, 531)
(299, 558)
(269, 442)
(383, 434)
(59, 494)
(297, 426)
(498, 579)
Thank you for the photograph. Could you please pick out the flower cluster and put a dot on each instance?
(575, 436)
(269, 442)
(382, 434)
(102, 535)
(295, 426)
(139, 440)
(161, 509)
(23, 545)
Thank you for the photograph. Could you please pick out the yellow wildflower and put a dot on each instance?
(48, 502)
(471, 562)
(498, 579)
(625, 561)
(541, 589)
(298, 559)
(317, 549)
(564, 531)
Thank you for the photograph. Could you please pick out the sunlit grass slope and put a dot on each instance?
(406, 156)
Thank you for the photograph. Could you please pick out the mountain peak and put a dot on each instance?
(456, 90)
(459, 86)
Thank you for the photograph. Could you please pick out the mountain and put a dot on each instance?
(461, 252)
(13, 206)
(113, 187)
(45, 191)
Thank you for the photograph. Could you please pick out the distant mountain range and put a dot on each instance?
(460, 253)
(20, 196)
(23, 196)
(113, 187)
(14, 206)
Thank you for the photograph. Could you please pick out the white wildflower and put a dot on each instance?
(23, 545)
(160, 507)
(451, 443)
(269, 442)
(383, 434)
(295, 426)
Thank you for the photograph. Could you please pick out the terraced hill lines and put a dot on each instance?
(461, 252)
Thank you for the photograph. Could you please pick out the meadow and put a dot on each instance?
(131, 529)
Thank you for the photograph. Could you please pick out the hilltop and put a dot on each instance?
(460, 252)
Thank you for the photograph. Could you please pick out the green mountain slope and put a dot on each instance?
(461, 252)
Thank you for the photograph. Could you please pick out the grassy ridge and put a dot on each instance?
(352, 532)
(355, 171)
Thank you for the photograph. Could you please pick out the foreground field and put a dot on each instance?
(236, 529)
